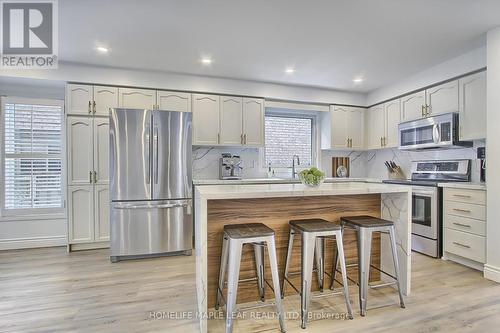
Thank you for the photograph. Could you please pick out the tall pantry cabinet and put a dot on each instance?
(87, 133)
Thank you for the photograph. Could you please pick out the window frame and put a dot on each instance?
(32, 213)
(301, 114)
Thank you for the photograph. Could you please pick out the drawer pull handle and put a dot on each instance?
(462, 225)
(462, 245)
(461, 210)
(461, 195)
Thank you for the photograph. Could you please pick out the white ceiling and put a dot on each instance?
(329, 43)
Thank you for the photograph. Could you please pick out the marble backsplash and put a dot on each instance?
(366, 164)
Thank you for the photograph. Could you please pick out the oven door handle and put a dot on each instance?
(436, 136)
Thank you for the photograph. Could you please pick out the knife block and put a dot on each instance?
(397, 174)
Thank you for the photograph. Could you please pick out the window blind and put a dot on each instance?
(32, 156)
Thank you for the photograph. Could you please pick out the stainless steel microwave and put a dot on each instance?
(440, 131)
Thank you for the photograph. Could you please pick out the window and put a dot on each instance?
(288, 135)
(32, 156)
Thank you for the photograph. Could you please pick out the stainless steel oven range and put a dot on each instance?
(427, 200)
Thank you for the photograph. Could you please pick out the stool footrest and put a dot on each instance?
(381, 285)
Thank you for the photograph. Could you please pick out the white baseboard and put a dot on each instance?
(463, 261)
(492, 273)
(27, 243)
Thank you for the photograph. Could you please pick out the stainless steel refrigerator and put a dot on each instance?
(151, 183)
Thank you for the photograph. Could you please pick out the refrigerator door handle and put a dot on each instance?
(153, 206)
(155, 152)
(147, 156)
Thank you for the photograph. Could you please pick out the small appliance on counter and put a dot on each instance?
(230, 167)
(481, 154)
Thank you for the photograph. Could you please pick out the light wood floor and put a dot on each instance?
(48, 290)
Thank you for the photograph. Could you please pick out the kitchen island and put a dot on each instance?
(274, 205)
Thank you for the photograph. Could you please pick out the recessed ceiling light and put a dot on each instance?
(358, 80)
(290, 70)
(102, 49)
(206, 61)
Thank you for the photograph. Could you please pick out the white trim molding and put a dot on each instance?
(26, 243)
(492, 273)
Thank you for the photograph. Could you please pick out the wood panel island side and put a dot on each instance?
(276, 204)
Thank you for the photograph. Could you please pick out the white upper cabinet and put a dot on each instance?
(472, 107)
(79, 99)
(101, 150)
(375, 126)
(392, 120)
(413, 106)
(80, 150)
(173, 101)
(231, 120)
(355, 128)
(105, 98)
(342, 128)
(442, 99)
(137, 98)
(205, 119)
(339, 117)
(101, 213)
(253, 122)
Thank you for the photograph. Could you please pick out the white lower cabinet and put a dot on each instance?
(88, 214)
(464, 216)
(81, 214)
(101, 213)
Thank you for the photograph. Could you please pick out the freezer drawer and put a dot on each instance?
(151, 227)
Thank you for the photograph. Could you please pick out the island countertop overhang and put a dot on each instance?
(214, 192)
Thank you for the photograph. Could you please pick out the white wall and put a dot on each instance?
(463, 64)
(30, 232)
(492, 267)
(163, 80)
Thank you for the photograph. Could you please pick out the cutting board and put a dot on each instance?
(338, 161)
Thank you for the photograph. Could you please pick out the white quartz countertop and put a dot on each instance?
(277, 181)
(464, 185)
(242, 191)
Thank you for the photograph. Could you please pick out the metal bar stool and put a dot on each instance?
(314, 232)
(235, 236)
(365, 226)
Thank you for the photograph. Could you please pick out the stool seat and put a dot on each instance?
(314, 225)
(366, 221)
(247, 230)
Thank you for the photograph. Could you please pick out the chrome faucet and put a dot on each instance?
(294, 173)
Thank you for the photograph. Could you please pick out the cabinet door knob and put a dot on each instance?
(218, 137)
(244, 138)
(241, 139)
(90, 177)
(93, 107)
(95, 176)
(423, 110)
(90, 107)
